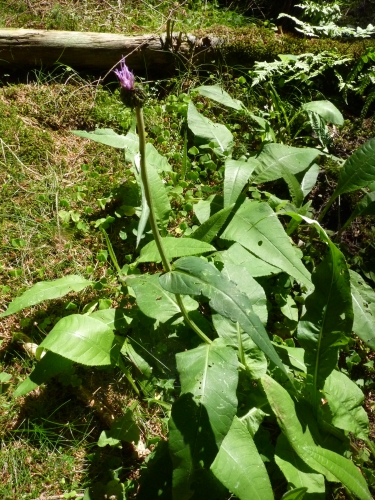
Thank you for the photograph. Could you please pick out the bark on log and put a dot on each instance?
(27, 48)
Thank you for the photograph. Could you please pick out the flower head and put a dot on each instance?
(125, 76)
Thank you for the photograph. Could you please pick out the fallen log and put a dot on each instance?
(27, 48)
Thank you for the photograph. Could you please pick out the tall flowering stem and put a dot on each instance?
(131, 96)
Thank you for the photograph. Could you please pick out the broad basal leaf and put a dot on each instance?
(194, 276)
(363, 308)
(297, 472)
(174, 247)
(50, 364)
(237, 173)
(327, 321)
(294, 187)
(326, 110)
(292, 357)
(202, 416)
(256, 227)
(344, 409)
(128, 350)
(333, 466)
(309, 179)
(358, 170)
(274, 157)
(115, 319)
(253, 419)
(81, 339)
(237, 254)
(208, 131)
(239, 466)
(159, 195)
(217, 94)
(154, 301)
(47, 290)
(110, 138)
(249, 286)
(255, 360)
(155, 160)
(205, 209)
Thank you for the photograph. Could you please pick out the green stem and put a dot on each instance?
(146, 187)
(154, 226)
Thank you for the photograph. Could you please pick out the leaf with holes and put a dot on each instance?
(256, 227)
(239, 466)
(203, 414)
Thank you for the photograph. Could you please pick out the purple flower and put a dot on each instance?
(125, 76)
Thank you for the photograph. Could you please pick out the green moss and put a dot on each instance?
(244, 46)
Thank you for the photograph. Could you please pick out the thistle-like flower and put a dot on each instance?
(125, 76)
(131, 95)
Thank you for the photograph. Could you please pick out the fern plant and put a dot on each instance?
(324, 17)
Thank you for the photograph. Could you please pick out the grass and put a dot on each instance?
(117, 16)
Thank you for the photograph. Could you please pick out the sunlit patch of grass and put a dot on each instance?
(117, 16)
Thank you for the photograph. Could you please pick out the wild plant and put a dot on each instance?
(263, 409)
(324, 16)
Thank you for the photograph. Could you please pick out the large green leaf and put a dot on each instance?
(203, 414)
(249, 286)
(159, 195)
(141, 364)
(358, 170)
(254, 359)
(155, 160)
(274, 157)
(47, 290)
(326, 462)
(326, 110)
(256, 227)
(363, 297)
(115, 319)
(296, 472)
(50, 364)
(344, 409)
(204, 209)
(81, 339)
(109, 137)
(217, 94)
(309, 179)
(211, 227)
(174, 247)
(208, 131)
(194, 276)
(294, 187)
(239, 466)
(292, 356)
(327, 321)
(154, 301)
(237, 173)
(237, 254)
